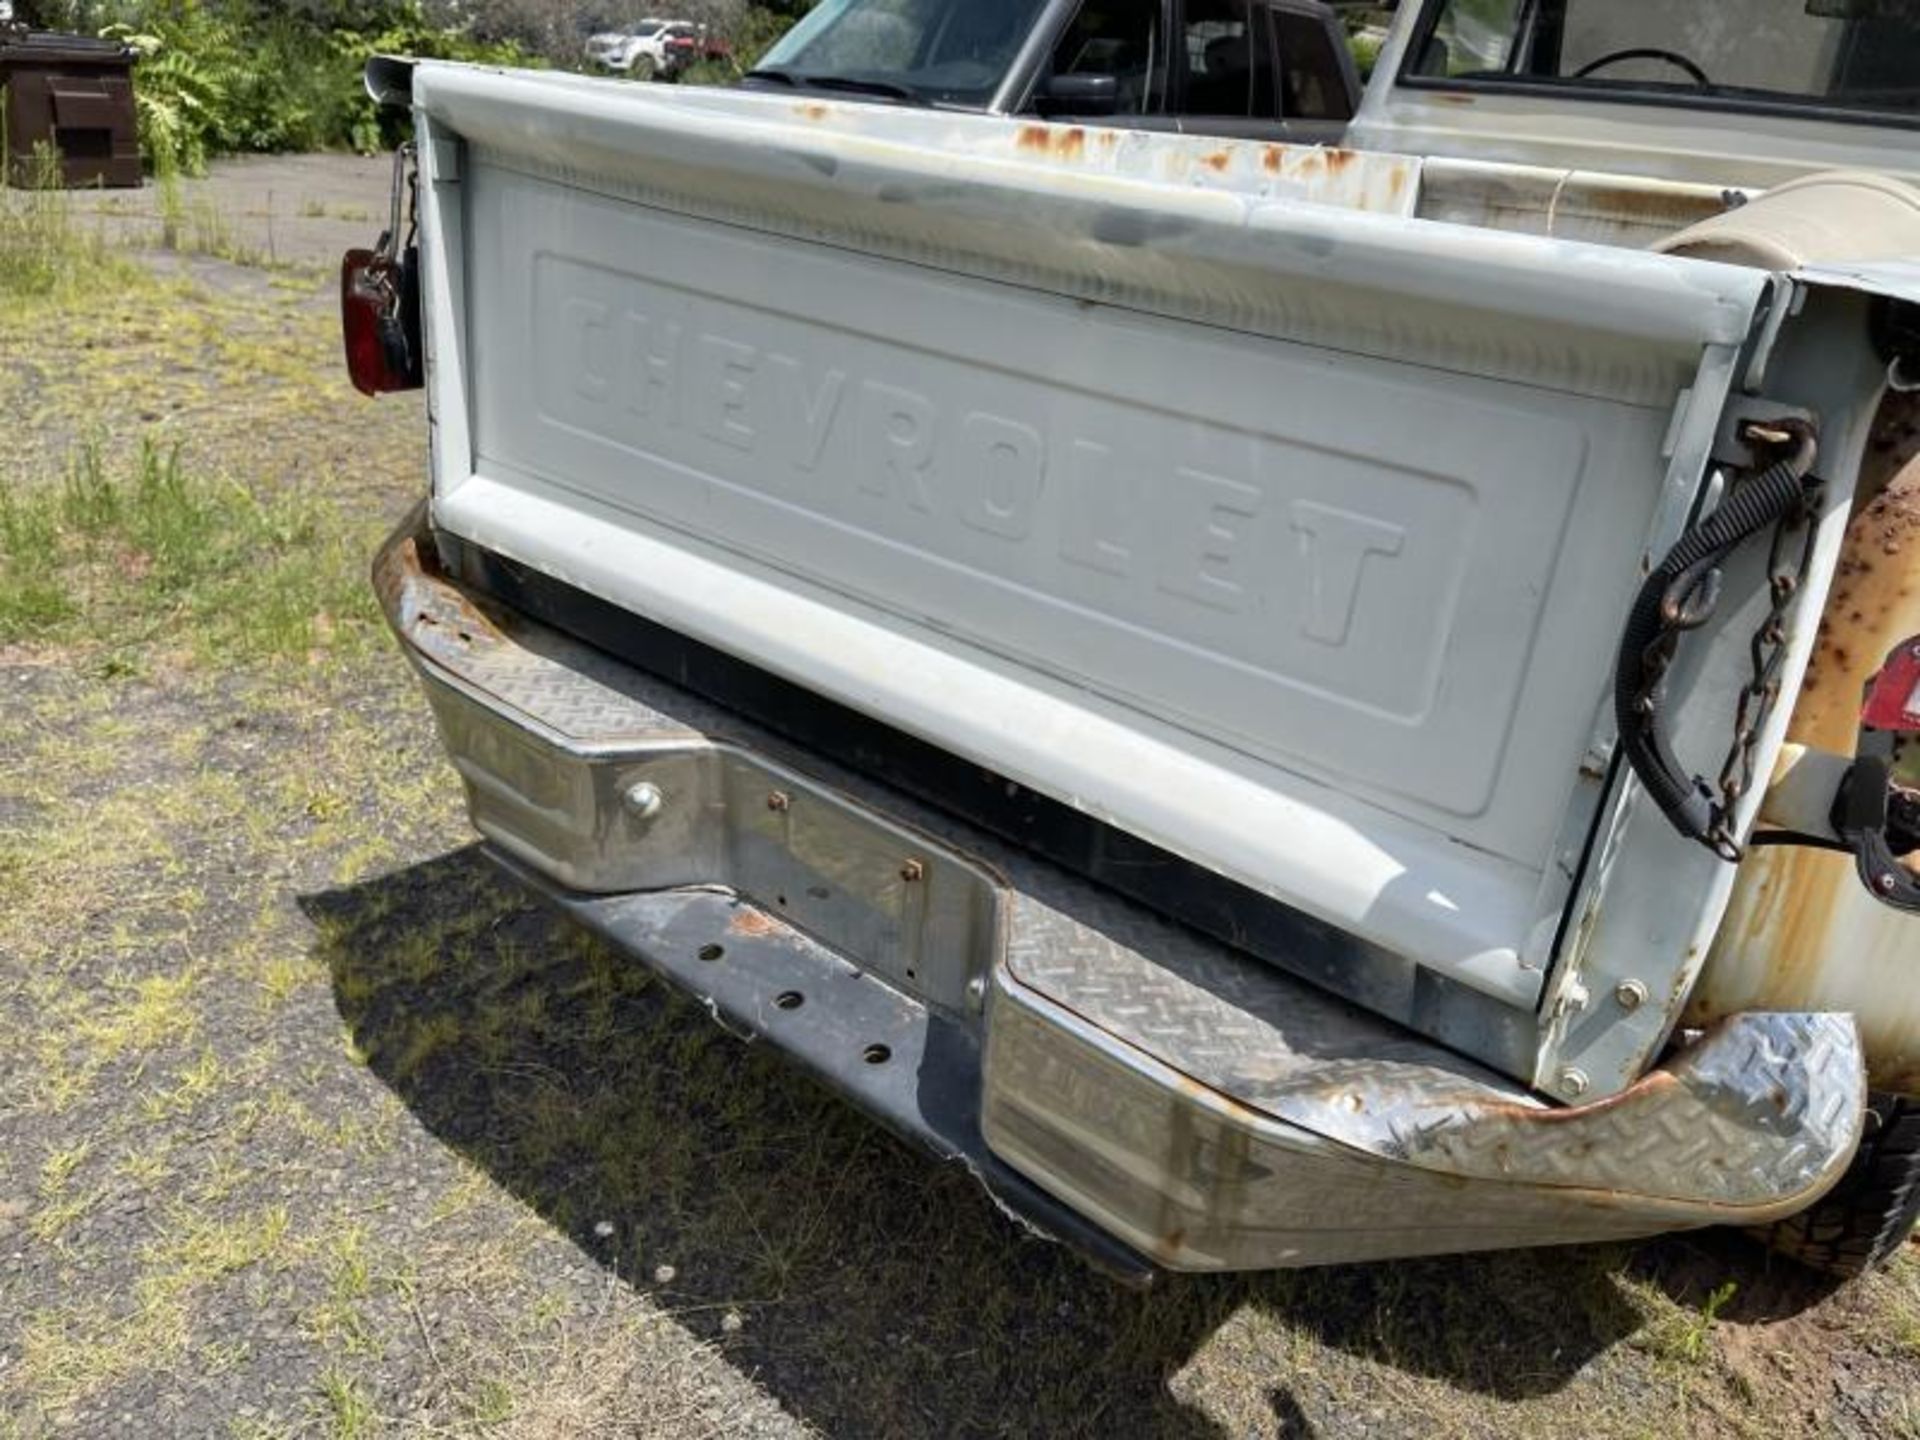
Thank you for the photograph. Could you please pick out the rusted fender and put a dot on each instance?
(1801, 932)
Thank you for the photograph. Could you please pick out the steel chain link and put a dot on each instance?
(1691, 607)
(1767, 651)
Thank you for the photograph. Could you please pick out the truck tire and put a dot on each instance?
(642, 69)
(1863, 1221)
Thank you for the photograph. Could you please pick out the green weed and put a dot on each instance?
(46, 254)
(1684, 1336)
(348, 1411)
(119, 558)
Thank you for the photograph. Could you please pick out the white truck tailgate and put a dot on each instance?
(1187, 481)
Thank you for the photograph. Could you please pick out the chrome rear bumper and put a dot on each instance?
(1112, 1079)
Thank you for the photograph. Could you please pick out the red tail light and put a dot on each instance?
(380, 321)
(1893, 696)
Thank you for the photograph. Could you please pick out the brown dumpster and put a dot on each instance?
(74, 94)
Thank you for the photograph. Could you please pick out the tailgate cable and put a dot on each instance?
(1681, 595)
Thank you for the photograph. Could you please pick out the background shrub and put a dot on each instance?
(218, 77)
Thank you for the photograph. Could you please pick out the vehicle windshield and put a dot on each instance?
(1860, 56)
(646, 28)
(941, 51)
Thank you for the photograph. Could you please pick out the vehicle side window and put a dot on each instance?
(1470, 39)
(1121, 38)
(1313, 83)
(1226, 54)
(973, 34)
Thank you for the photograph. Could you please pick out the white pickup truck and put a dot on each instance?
(1280, 703)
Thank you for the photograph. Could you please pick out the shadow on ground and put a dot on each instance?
(867, 1288)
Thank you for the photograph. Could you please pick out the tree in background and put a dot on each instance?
(220, 76)
(553, 29)
(74, 15)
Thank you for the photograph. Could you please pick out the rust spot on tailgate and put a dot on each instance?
(1217, 160)
(812, 110)
(1064, 144)
(752, 924)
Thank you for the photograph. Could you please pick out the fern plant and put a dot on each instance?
(220, 76)
(178, 100)
(189, 72)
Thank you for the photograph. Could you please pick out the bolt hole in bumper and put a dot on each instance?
(1155, 1098)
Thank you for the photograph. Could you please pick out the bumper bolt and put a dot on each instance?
(1630, 994)
(778, 802)
(1573, 1082)
(643, 801)
(913, 871)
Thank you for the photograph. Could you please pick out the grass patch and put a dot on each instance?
(70, 1352)
(46, 254)
(197, 1248)
(60, 1205)
(1683, 1336)
(156, 1010)
(121, 559)
(321, 210)
(348, 1411)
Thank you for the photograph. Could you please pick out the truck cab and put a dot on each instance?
(1745, 94)
(1271, 69)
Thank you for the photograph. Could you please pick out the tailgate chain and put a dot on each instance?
(1768, 652)
(1682, 594)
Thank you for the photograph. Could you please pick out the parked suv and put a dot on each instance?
(649, 48)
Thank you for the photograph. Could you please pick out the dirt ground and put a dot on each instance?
(309, 1125)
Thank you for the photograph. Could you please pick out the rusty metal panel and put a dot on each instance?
(73, 96)
(1801, 930)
